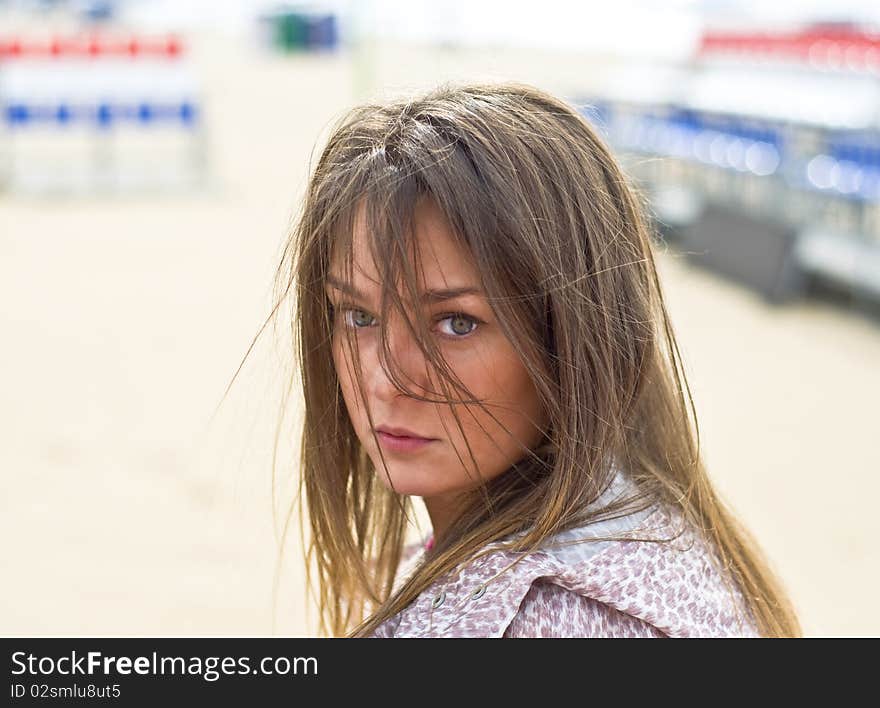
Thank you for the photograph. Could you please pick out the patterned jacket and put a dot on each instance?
(576, 587)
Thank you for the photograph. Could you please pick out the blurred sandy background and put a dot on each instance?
(127, 509)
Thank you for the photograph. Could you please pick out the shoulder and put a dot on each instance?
(550, 610)
(668, 575)
(659, 578)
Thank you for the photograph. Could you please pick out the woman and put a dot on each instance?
(479, 324)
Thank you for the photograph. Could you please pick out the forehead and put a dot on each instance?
(443, 258)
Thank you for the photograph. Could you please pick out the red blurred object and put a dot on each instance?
(831, 46)
(84, 46)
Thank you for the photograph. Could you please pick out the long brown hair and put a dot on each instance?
(564, 249)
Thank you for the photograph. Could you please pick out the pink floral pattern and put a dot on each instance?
(623, 588)
(549, 610)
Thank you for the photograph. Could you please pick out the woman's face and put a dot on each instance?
(473, 347)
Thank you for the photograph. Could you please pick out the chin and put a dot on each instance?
(409, 488)
(409, 484)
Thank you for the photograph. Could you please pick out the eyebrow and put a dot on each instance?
(430, 295)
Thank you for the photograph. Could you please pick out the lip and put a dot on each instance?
(400, 432)
(401, 443)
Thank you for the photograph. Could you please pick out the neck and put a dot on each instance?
(442, 510)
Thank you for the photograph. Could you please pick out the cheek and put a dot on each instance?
(524, 392)
(502, 383)
(507, 379)
(344, 374)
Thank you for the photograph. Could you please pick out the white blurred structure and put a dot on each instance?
(98, 111)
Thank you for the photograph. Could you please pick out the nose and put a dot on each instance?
(404, 359)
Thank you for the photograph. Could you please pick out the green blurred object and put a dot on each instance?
(291, 32)
(297, 29)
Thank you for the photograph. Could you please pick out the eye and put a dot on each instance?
(460, 325)
(459, 321)
(360, 318)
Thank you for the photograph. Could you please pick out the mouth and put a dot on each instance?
(402, 443)
(400, 433)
